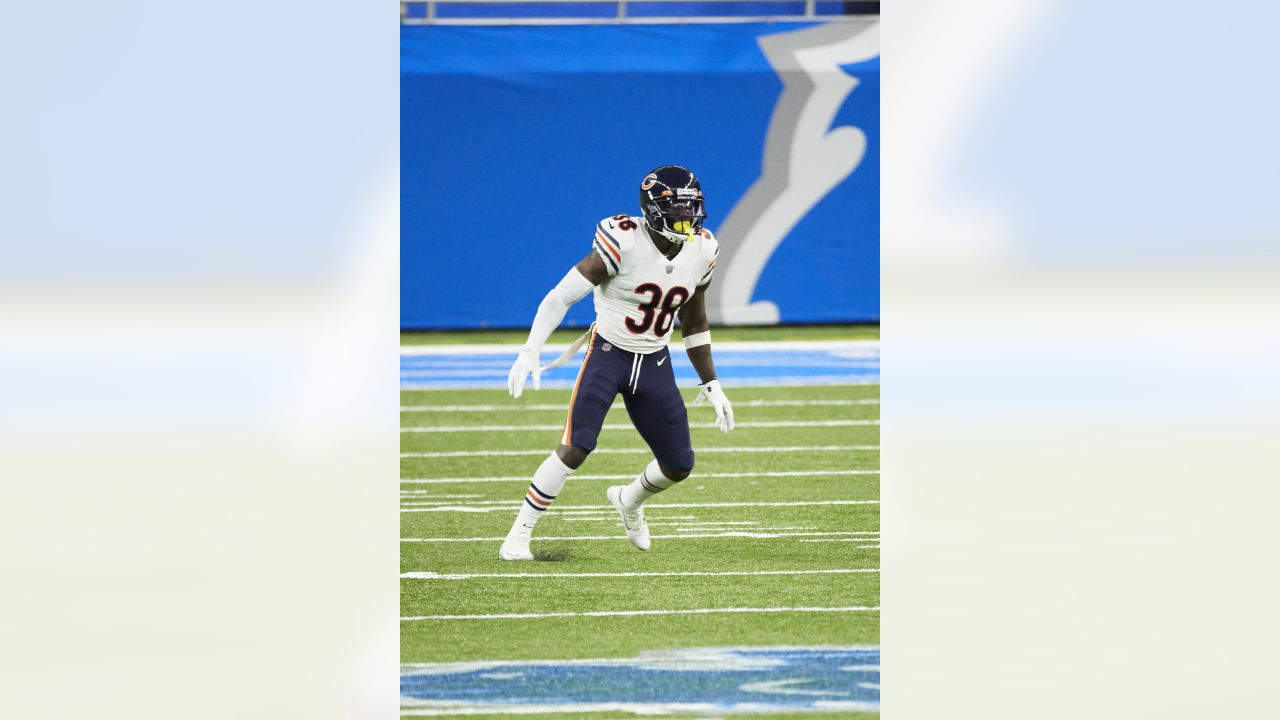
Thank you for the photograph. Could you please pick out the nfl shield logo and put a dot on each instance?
(670, 267)
(606, 347)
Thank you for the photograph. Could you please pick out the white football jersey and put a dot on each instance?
(636, 307)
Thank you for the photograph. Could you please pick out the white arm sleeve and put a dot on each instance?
(571, 288)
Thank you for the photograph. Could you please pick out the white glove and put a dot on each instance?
(711, 392)
(527, 361)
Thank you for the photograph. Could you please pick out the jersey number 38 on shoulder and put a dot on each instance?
(659, 311)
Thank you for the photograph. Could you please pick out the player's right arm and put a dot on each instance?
(575, 285)
(593, 269)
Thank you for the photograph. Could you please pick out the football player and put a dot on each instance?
(645, 272)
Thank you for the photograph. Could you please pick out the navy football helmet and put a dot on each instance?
(671, 200)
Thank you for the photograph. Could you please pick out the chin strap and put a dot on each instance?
(677, 238)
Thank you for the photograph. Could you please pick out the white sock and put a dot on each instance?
(546, 485)
(650, 482)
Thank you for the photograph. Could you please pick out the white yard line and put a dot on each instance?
(412, 707)
(642, 451)
(434, 494)
(600, 516)
(452, 708)
(650, 506)
(695, 573)
(712, 523)
(502, 502)
(684, 527)
(591, 514)
(632, 476)
(509, 505)
(629, 426)
(480, 374)
(689, 536)
(624, 613)
(563, 407)
(675, 520)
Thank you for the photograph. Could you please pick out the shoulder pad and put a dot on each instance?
(619, 230)
(708, 245)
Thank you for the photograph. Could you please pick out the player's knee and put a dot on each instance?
(675, 475)
(571, 456)
(680, 471)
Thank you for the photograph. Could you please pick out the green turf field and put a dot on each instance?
(459, 499)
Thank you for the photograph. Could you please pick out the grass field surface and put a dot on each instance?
(760, 592)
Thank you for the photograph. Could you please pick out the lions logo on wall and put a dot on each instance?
(804, 159)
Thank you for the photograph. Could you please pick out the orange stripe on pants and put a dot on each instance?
(568, 423)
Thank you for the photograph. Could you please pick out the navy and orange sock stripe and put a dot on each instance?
(537, 499)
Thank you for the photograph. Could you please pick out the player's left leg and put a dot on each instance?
(598, 381)
(547, 481)
(657, 410)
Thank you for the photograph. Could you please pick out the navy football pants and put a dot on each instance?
(649, 391)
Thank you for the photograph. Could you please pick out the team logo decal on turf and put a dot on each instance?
(759, 679)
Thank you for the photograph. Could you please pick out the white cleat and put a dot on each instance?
(632, 520)
(515, 547)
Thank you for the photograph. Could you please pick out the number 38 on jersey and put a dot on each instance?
(659, 311)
